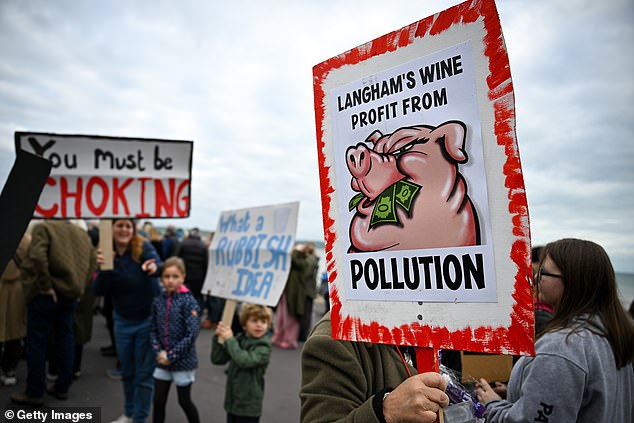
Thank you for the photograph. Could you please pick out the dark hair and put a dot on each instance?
(536, 253)
(590, 290)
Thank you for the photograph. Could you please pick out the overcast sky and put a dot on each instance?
(236, 78)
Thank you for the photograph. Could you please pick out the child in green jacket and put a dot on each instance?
(248, 356)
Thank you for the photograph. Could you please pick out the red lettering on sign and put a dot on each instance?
(143, 213)
(162, 202)
(47, 213)
(100, 196)
(183, 199)
(118, 195)
(65, 194)
(105, 193)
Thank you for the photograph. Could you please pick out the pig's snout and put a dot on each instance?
(358, 159)
(371, 172)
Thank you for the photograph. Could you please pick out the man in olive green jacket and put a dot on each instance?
(60, 261)
(363, 383)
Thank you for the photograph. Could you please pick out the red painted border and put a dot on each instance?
(518, 337)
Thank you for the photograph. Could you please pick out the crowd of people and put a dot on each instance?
(153, 302)
(581, 372)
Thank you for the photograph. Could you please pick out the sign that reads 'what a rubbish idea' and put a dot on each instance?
(250, 253)
(110, 177)
(425, 217)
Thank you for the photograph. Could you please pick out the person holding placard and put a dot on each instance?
(133, 284)
(582, 369)
(347, 381)
(248, 355)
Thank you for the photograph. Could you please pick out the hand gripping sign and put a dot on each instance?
(108, 177)
(425, 215)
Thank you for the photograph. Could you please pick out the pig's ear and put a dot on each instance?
(374, 137)
(454, 133)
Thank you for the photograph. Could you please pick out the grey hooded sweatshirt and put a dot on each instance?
(571, 379)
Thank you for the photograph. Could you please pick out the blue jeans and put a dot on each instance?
(43, 315)
(137, 365)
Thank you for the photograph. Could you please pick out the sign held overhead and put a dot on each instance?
(110, 177)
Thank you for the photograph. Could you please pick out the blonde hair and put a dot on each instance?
(176, 262)
(257, 311)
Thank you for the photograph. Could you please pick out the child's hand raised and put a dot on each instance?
(223, 332)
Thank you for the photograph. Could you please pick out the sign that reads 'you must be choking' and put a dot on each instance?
(110, 177)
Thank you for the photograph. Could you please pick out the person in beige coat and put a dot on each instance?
(12, 314)
(59, 262)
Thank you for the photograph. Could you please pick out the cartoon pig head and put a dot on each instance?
(411, 194)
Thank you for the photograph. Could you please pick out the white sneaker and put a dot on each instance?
(122, 419)
(8, 379)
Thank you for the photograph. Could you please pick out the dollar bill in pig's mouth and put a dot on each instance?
(400, 194)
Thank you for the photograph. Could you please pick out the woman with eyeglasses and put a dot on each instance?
(582, 369)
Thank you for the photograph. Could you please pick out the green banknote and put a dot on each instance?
(405, 194)
(384, 211)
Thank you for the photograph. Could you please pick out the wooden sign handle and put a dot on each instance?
(427, 361)
(227, 314)
(105, 244)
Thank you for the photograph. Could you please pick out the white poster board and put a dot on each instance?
(428, 90)
(425, 215)
(250, 253)
(109, 177)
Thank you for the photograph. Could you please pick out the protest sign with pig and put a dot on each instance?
(425, 218)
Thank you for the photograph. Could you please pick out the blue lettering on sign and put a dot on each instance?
(230, 223)
(253, 284)
(244, 251)
(279, 247)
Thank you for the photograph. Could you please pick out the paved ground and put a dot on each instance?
(94, 389)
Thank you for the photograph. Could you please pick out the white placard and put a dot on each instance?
(250, 254)
(109, 177)
(429, 90)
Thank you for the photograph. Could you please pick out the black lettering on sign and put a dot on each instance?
(413, 273)
(40, 149)
(160, 163)
(441, 70)
(56, 160)
(130, 161)
(356, 268)
(546, 410)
